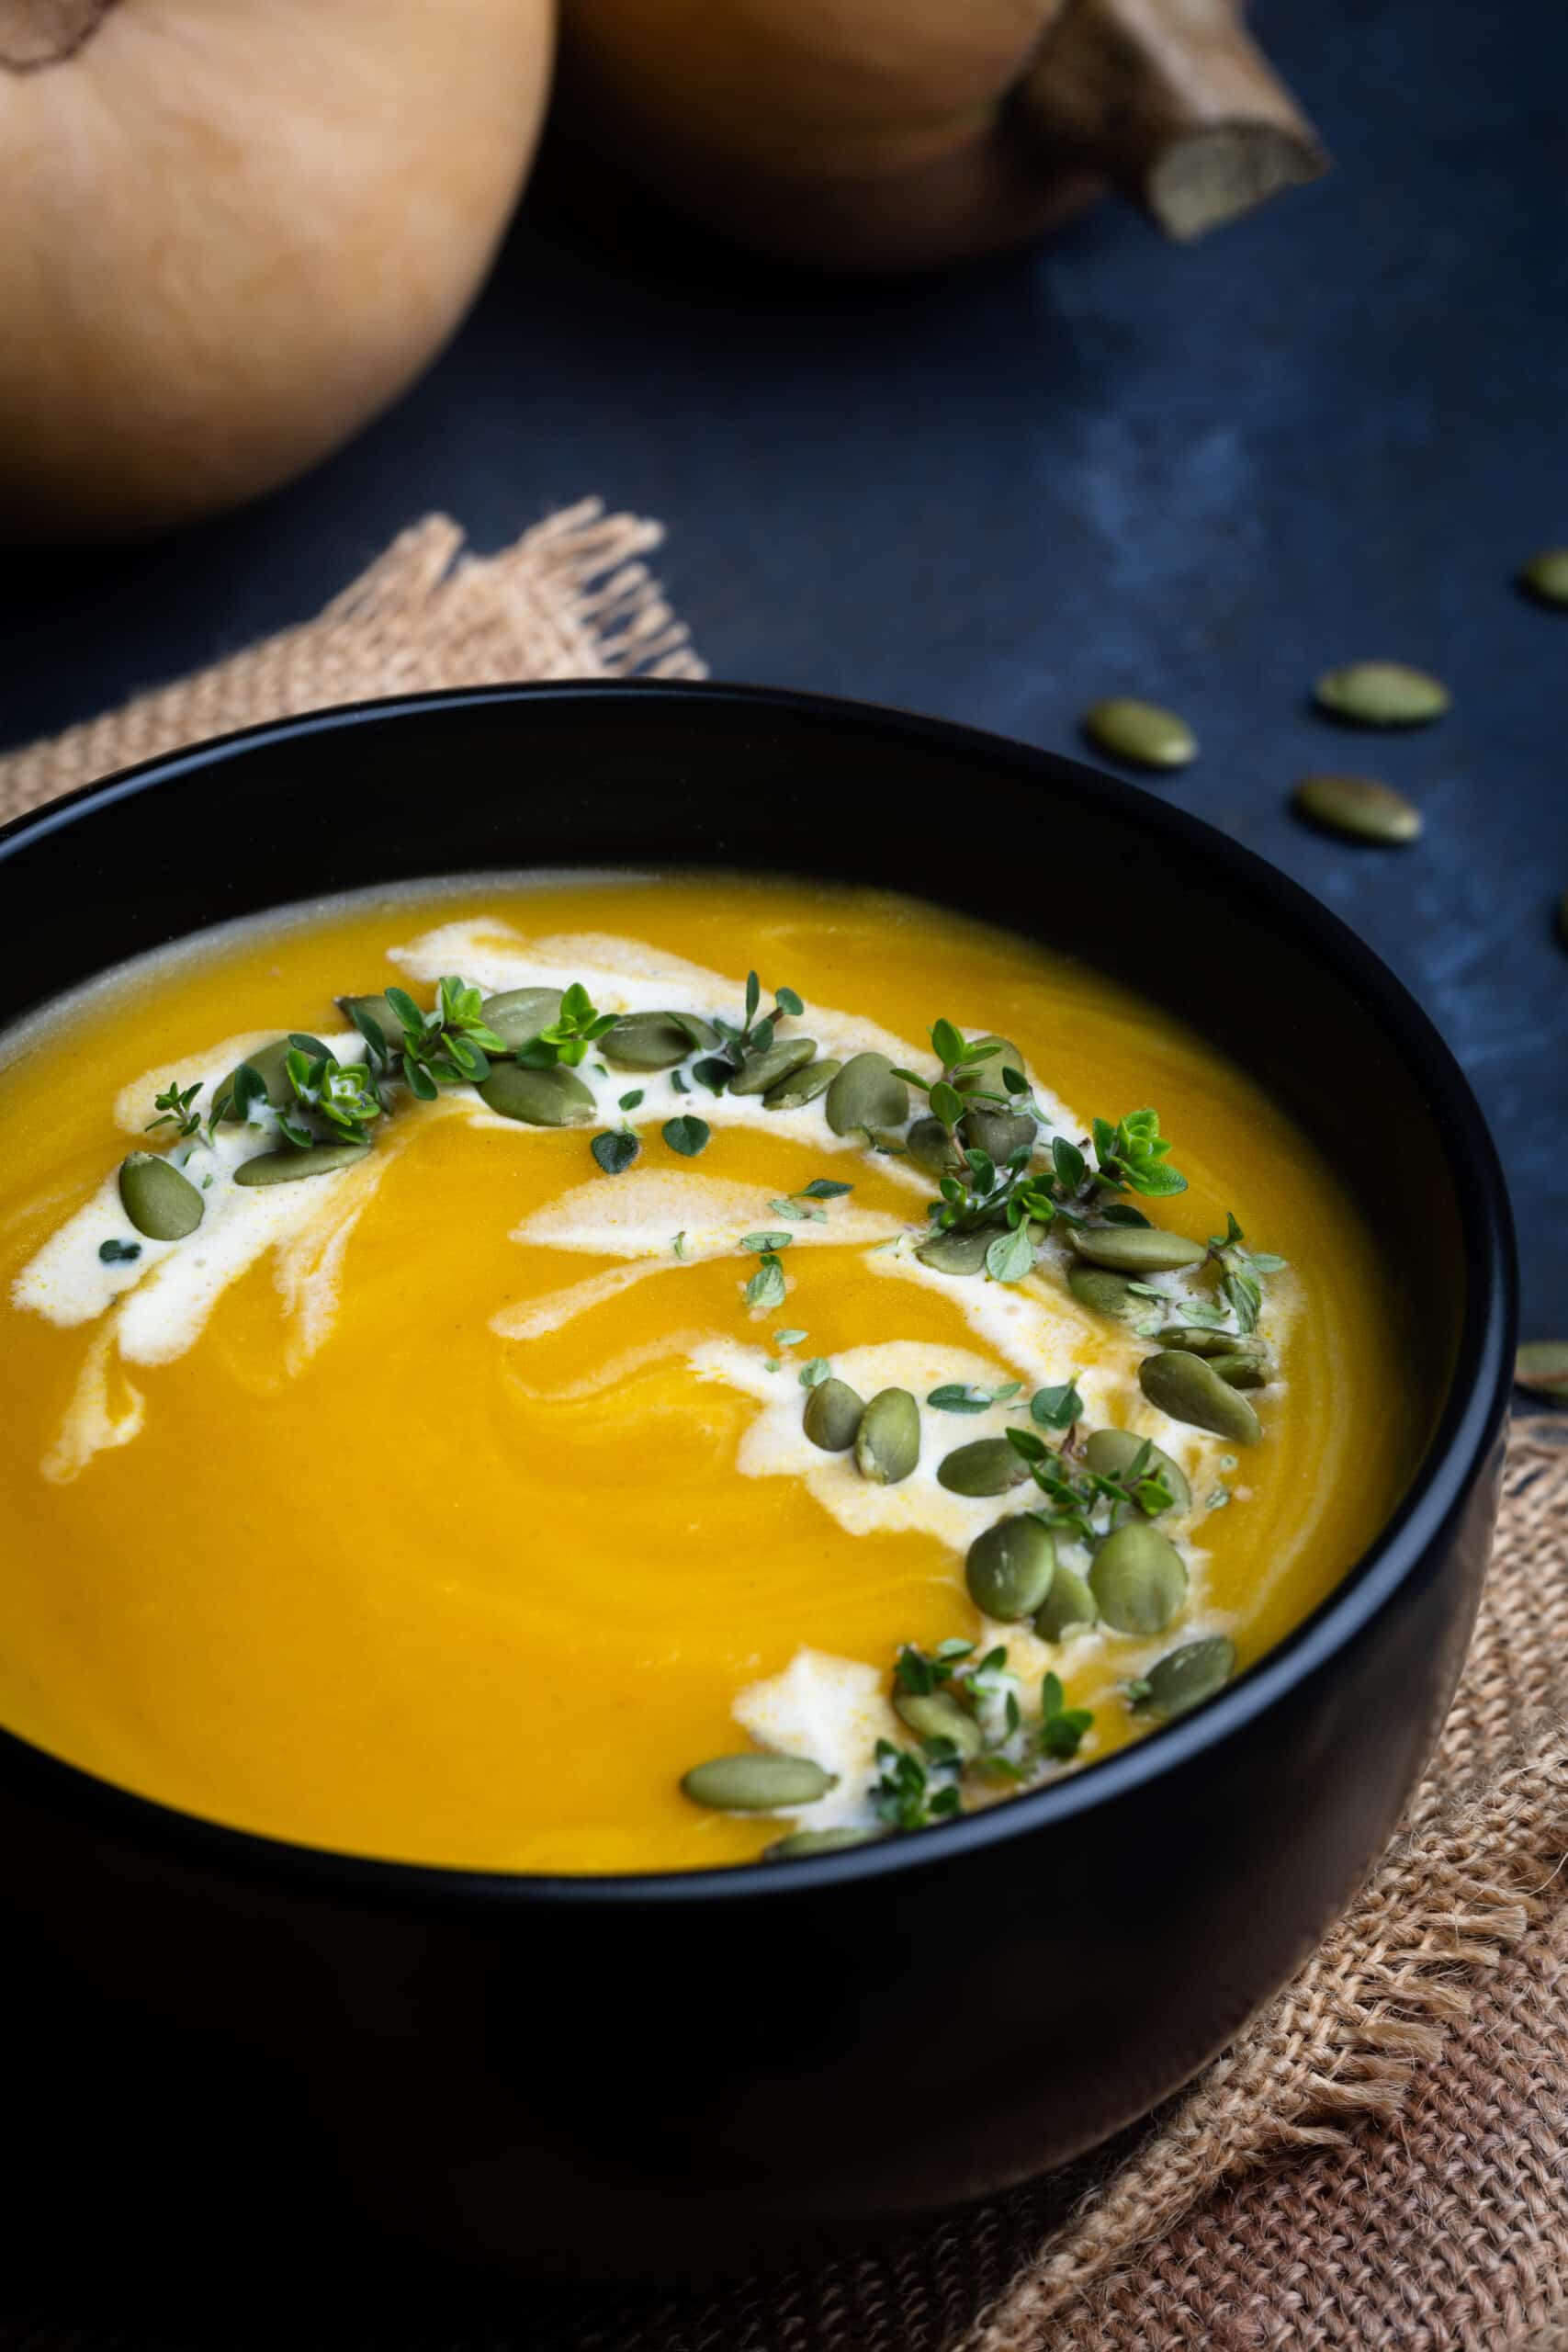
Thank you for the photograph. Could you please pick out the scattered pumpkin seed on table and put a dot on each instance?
(1546, 576)
(1359, 808)
(1382, 693)
(1541, 1366)
(1141, 732)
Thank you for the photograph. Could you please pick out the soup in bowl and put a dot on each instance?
(606, 1397)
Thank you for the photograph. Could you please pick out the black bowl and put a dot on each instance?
(691, 2070)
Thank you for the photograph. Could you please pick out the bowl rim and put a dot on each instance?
(1457, 1447)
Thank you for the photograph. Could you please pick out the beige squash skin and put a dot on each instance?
(444, 1590)
(234, 234)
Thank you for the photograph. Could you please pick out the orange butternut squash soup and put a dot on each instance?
(574, 1409)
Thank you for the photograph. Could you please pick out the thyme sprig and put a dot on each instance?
(1242, 1272)
(450, 1043)
(174, 1109)
(341, 1099)
(1077, 1494)
(753, 1035)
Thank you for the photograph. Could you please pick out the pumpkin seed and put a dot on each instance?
(989, 1466)
(936, 1715)
(1010, 1567)
(957, 1253)
(1546, 576)
(269, 1063)
(1107, 1293)
(1541, 1366)
(1068, 1608)
(291, 1167)
(866, 1094)
(999, 1132)
(158, 1200)
(1190, 1390)
(376, 1009)
(1111, 1453)
(817, 1841)
(833, 1413)
(801, 1087)
(1135, 1248)
(930, 1146)
(1141, 732)
(555, 1097)
(1241, 1371)
(517, 1015)
(1382, 694)
(986, 1077)
(760, 1071)
(1358, 807)
(887, 1442)
(1183, 1679)
(756, 1782)
(1203, 1339)
(655, 1040)
(1139, 1578)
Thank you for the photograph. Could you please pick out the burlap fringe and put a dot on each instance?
(1346, 2042)
(572, 598)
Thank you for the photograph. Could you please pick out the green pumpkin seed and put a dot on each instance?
(1111, 1453)
(999, 1132)
(887, 1442)
(1190, 1390)
(958, 1253)
(804, 1086)
(756, 1782)
(1141, 732)
(158, 1200)
(1183, 1679)
(292, 1167)
(937, 1715)
(269, 1064)
(1203, 1339)
(655, 1040)
(817, 1841)
(866, 1094)
(1008, 1568)
(1068, 1608)
(555, 1097)
(376, 1009)
(517, 1015)
(1358, 807)
(931, 1147)
(1382, 693)
(985, 1078)
(1139, 1578)
(1241, 1371)
(989, 1466)
(1107, 1294)
(1541, 1366)
(760, 1071)
(833, 1413)
(1546, 576)
(1135, 1248)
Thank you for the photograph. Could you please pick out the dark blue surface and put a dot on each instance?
(1332, 432)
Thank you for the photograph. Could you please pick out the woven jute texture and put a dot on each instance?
(1382, 2159)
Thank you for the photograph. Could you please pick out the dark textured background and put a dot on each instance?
(1333, 431)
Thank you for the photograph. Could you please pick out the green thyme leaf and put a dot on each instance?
(813, 1373)
(766, 1240)
(119, 1253)
(766, 1288)
(823, 1188)
(630, 1102)
(678, 1246)
(713, 1073)
(688, 1136)
(789, 1339)
(615, 1150)
(1011, 1257)
(1056, 1409)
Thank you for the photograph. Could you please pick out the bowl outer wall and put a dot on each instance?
(473, 2048)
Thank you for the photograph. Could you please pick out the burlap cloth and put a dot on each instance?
(1382, 2159)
